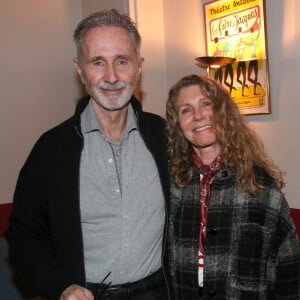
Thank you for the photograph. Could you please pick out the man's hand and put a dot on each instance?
(76, 292)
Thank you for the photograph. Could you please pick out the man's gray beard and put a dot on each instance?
(121, 101)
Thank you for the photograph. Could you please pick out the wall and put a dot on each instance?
(280, 130)
(150, 22)
(38, 82)
(185, 40)
(91, 6)
(39, 87)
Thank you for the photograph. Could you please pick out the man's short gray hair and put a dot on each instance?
(106, 18)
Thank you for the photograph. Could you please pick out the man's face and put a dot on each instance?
(109, 66)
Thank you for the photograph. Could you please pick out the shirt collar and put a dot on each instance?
(90, 122)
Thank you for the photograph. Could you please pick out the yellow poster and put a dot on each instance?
(236, 29)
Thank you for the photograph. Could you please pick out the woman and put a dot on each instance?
(230, 232)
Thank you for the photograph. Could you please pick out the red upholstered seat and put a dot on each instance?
(295, 213)
(5, 210)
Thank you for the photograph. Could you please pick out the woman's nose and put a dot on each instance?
(198, 114)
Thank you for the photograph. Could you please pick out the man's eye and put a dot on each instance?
(98, 63)
(122, 62)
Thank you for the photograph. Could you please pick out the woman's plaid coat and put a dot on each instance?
(251, 249)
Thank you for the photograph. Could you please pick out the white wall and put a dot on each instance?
(91, 6)
(149, 18)
(280, 130)
(39, 86)
(184, 40)
(37, 78)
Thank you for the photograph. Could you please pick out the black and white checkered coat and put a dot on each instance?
(251, 250)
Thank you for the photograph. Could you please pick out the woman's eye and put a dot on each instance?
(185, 110)
(206, 104)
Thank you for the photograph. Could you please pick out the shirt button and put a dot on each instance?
(110, 160)
(117, 190)
(214, 231)
(212, 293)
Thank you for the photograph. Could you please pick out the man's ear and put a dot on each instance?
(78, 69)
(140, 66)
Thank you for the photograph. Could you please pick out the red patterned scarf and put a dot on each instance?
(208, 172)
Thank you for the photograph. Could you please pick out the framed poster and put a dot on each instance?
(236, 29)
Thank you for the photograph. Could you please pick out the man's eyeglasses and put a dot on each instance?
(102, 287)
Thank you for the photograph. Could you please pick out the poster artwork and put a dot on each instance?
(236, 29)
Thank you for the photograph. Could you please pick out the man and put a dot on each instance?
(89, 203)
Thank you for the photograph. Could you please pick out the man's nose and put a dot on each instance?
(110, 74)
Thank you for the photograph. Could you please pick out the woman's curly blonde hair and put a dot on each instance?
(241, 148)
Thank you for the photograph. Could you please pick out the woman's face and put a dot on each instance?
(195, 113)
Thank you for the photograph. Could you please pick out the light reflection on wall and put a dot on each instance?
(291, 28)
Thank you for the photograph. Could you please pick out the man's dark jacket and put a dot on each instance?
(45, 236)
